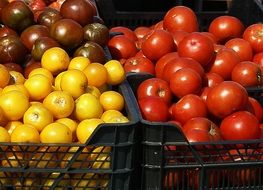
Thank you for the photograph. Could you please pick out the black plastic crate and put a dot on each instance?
(148, 12)
(170, 162)
(106, 161)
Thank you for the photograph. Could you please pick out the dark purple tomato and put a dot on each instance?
(5, 31)
(48, 17)
(2, 4)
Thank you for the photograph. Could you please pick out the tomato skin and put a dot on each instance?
(188, 107)
(255, 108)
(224, 62)
(157, 44)
(197, 46)
(127, 32)
(185, 81)
(138, 65)
(212, 79)
(122, 47)
(141, 31)
(225, 98)
(254, 35)
(247, 74)
(155, 87)
(240, 125)
(160, 64)
(178, 35)
(154, 109)
(258, 59)
(226, 27)
(180, 18)
(242, 47)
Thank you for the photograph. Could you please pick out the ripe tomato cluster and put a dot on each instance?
(199, 78)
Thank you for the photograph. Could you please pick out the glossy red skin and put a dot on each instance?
(139, 65)
(158, 25)
(212, 79)
(154, 109)
(14, 67)
(157, 44)
(141, 31)
(178, 63)
(226, 98)
(242, 47)
(203, 93)
(224, 62)
(240, 125)
(210, 36)
(122, 47)
(160, 64)
(247, 74)
(5, 31)
(188, 107)
(139, 54)
(254, 35)
(261, 133)
(201, 125)
(255, 108)
(178, 35)
(185, 81)
(126, 32)
(218, 47)
(155, 87)
(258, 59)
(32, 33)
(226, 27)
(198, 47)
(180, 18)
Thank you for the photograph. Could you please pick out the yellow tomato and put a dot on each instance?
(112, 100)
(86, 128)
(25, 133)
(79, 63)
(16, 78)
(38, 116)
(117, 119)
(116, 73)
(96, 74)
(57, 80)
(4, 135)
(56, 133)
(18, 87)
(5, 76)
(87, 106)
(71, 124)
(11, 125)
(55, 60)
(93, 90)
(74, 82)
(59, 103)
(38, 86)
(108, 114)
(42, 71)
(14, 104)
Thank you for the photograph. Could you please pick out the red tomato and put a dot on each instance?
(201, 129)
(139, 65)
(240, 125)
(261, 131)
(212, 79)
(255, 108)
(258, 59)
(178, 35)
(178, 63)
(218, 47)
(210, 36)
(247, 74)
(226, 27)
(253, 34)
(157, 44)
(155, 87)
(185, 81)
(224, 63)
(154, 109)
(122, 47)
(126, 32)
(139, 54)
(142, 31)
(242, 47)
(198, 47)
(160, 64)
(158, 25)
(188, 107)
(180, 18)
(225, 98)
(203, 93)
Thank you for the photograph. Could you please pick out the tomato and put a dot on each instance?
(154, 109)
(127, 32)
(188, 107)
(157, 44)
(13, 67)
(240, 125)
(258, 59)
(255, 108)
(226, 27)
(182, 62)
(178, 35)
(242, 47)
(224, 62)
(198, 47)
(116, 72)
(210, 36)
(122, 47)
(185, 81)
(180, 18)
(92, 71)
(247, 74)
(225, 98)
(141, 31)
(155, 87)
(5, 31)
(212, 79)
(160, 64)
(201, 129)
(158, 25)
(139, 64)
(254, 35)
(203, 92)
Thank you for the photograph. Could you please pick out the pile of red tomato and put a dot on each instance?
(199, 78)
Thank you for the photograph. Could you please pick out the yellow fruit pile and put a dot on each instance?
(61, 102)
